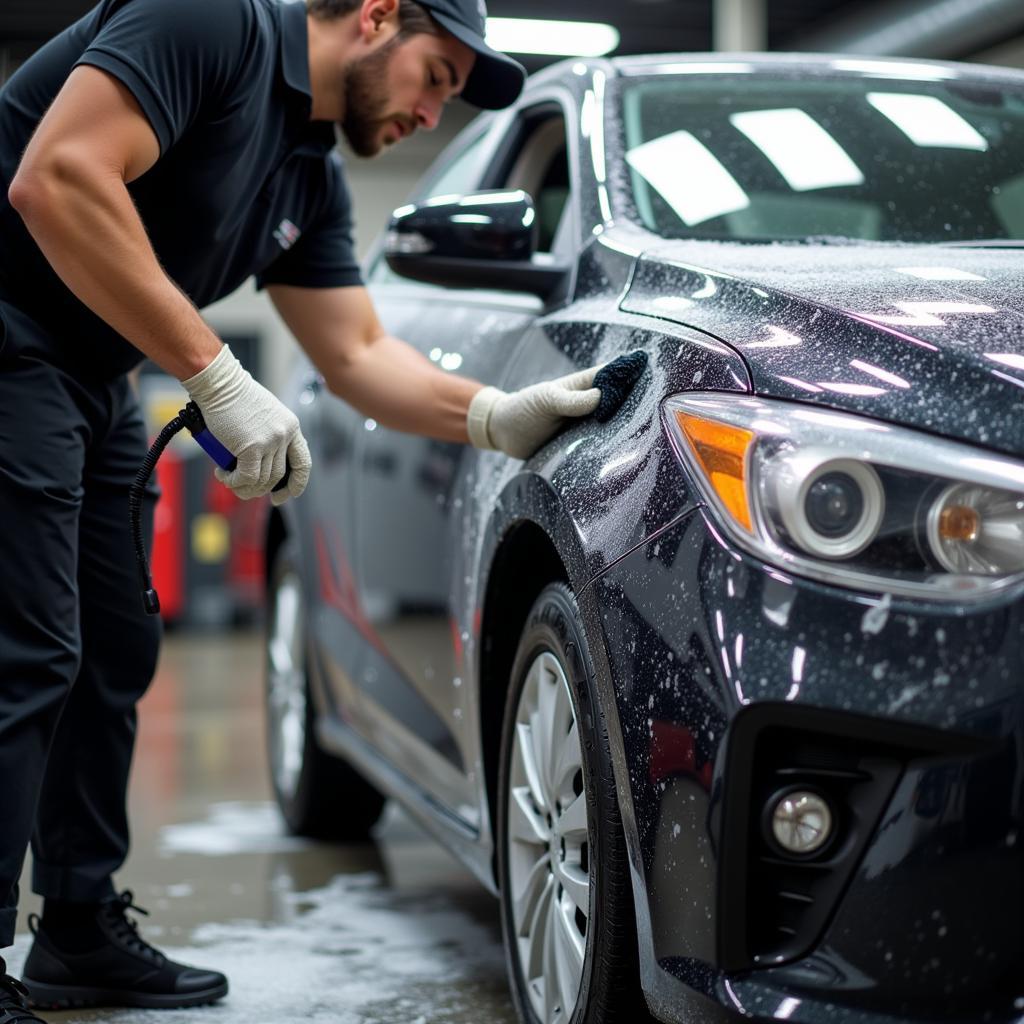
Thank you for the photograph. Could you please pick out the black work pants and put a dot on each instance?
(76, 648)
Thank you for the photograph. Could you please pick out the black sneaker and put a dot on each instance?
(14, 1002)
(124, 971)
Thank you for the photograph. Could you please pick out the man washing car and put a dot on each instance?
(154, 156)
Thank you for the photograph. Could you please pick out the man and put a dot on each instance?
(154, 156)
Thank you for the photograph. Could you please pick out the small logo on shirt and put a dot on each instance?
(287, 234)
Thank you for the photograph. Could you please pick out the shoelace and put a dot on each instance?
(124, 928)
(14, 1002)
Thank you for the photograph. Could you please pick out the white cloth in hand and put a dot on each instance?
(254, 426)
(519, 422)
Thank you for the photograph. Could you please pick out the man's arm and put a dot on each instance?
(387, 379)
(71, 191)
(382, 376)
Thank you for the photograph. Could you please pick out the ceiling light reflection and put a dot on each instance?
(695, 68)
(689, 177)
(803, 385)
(707, 291)
(726, 667)
(803, 152)
(799, 657)
(587, 114)
(984, 465)
(939, 273)
(857, 390)
(766, 426)
(787, 1008)
(1007, 377)
(614, 464)
(877, 371)
(671, 303)
(1011, 359)
(852, 423)
(597, 135)
(894, 69)
(489, 198)
(928, 121)
(925, 314)
(780, 338)
(619, 246)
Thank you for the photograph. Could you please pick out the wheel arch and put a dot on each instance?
(531, 540)
(524, 563)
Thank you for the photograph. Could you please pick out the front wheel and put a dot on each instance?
(319, 795)
(567, 908)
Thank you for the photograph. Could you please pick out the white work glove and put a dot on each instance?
(254, 426)
(519, 422)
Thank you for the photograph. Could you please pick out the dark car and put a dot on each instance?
(724, 696)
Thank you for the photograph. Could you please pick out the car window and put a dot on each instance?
(459, 176)
(537, 163)
(540, 167)
(757, 158)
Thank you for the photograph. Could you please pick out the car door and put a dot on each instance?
(337, 627)
(407, 508)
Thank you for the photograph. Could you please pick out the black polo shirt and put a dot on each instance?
(246, 184)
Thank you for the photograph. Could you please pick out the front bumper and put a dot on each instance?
(910, 717)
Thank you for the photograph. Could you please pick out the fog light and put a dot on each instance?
(801, 822)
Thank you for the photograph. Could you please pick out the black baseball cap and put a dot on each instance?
(496, 79)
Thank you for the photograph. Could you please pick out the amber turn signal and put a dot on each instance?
(721, 450)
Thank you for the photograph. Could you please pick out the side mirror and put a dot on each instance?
(480, 240)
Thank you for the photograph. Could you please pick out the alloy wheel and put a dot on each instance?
(548, 842)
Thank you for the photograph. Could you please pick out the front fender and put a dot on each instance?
(614, 485)
(596, 492)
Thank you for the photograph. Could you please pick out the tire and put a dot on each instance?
(320, 796)
(561, 849)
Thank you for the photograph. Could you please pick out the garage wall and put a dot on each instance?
(1009, 54)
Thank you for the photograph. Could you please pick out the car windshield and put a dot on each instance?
(756, 158)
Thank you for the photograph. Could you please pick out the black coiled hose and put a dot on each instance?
(150, 598)
(192, 418)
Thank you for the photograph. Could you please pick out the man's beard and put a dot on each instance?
(366, 101)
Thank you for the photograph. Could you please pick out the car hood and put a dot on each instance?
(928, 336)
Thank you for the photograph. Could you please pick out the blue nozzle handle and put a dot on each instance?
(216, 450)
(193, 419)
(226, 460)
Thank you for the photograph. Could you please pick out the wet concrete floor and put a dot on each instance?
(394, 932)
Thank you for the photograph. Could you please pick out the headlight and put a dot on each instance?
(852, 501)
(828, 507)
